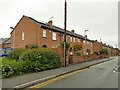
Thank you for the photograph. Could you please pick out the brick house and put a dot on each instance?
(30, 31)
(97, 46)
(4, 43)
(89, 47)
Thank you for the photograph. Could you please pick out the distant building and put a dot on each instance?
(4, 43)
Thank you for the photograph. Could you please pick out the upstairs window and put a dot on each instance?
(70, 39)
(23, 36)
(44, 33)
(53, 35)
(73, 39)
(78, 39)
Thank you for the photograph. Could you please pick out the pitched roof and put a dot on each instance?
(4, 40)
(52, 27)
(55, 28)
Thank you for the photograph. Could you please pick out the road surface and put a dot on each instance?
(99, 76)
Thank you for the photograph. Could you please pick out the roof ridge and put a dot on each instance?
(53, 26)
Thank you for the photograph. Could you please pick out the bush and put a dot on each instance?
(67, 45)
(42, 56)
(14, 54)
(13, 67)
(31, 60)
(104, 51)
(96, 53)
(77, 53)
(31, 46)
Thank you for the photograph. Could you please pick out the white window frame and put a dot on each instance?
(74, 39)
(84, 42)
(66, 37)
(23, 36)
(91, 44)
(78, 39)
(44, 33)
(54, 37)
(70, 39)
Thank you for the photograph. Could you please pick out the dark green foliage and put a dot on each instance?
(77, 53)
(31, 46)
(14, 54)
(13, 67)
(43, 56)
(67, 45)
(31, 60)
(96, 53)
(104, 51)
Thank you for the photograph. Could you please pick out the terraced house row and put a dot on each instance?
(46, 35)
(30, 31)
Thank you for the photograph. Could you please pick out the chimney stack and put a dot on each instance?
(95, 40)
(50, 22)
(73, 31)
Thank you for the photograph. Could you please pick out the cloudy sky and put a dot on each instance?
(100, 17)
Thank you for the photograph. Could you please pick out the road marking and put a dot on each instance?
(40, 85)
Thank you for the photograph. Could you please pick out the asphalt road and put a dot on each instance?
(98, 76)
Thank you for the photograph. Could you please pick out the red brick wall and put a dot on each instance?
(30, 31)
(97, 46)
(33, 34)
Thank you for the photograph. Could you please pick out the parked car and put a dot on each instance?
(2, 54)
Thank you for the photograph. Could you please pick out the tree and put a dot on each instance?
(66, 46)
(77, 46)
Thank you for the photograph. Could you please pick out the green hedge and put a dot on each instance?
(33, 60)
(31, 46)
(43, 56)
(13, 67)
(14, 54)
(104, 51)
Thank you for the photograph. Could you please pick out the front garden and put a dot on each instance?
(22, 61)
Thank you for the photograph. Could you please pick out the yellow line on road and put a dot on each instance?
(40, 85)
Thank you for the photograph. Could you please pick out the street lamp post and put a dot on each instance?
(13, 37)
(85, 43)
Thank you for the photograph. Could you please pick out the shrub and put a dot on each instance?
(13, 67)
(31, 60)
(42, 56)
(31, 46)
(77, 53)
(96, 53)
(14, 54)
(104, 51)
(67, 45)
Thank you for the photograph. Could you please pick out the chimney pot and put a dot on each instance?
(50, 22)
(73, 31)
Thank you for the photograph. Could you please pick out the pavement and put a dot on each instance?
(26, 80)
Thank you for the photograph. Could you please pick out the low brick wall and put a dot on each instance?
(77, 59)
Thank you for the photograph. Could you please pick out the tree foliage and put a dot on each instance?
(77, 46)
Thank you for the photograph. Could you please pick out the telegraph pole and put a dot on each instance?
(85, 44)
(65, 21)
